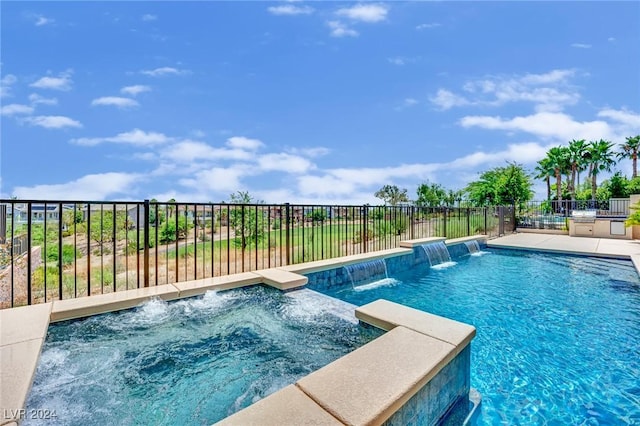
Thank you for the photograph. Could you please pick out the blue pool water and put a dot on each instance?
(193, 361)
(558, 337)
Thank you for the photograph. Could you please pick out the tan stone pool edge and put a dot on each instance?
(23, 329)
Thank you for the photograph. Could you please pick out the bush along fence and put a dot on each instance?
(53, 250)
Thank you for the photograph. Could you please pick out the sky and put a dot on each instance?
(302, 102)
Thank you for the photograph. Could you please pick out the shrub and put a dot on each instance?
(168, 231)
(132, 247)
(68, 253)
(380, 229)
(358, 238)
(399, 224)
(377, 213)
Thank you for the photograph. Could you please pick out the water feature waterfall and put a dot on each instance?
(472, 246)
(438, 254)
(370, 274)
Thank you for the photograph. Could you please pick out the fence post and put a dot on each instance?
(243, 236)
(468, 221)
(29, 272)
(365, 234)
(287, 234)
(3, 222)
(59, 250)
(146, 243)
(444, 222)
(486, 209)
(412, 216)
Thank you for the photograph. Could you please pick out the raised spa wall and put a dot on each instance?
(416, 373)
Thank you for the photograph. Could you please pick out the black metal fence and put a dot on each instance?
(73, 249)
(554, 214)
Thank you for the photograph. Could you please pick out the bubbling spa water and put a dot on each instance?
(193, 361)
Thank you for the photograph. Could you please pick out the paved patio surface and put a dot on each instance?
(603, 247)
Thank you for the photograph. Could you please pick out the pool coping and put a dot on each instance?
(562, 244)
(18, 359)
(416, 347)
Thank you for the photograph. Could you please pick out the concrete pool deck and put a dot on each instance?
(564, 244)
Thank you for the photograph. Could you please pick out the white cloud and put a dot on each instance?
(90, 187)
(356, 185)
(546, 125)
(324, 186)
(402, 60)
(428, 26)
(135, 90)
(115, 101)
(15, 109)
(244, 143)
(134, 137)
(625, 117)
(445, 99)
(289, 9)
(318, 151)
(36, 99)
(63, 82)
(365, 12)
(553, 76)
(148, 17)
(52, 121)
(41, 20)
(338, 29)
(283, 162)
(407, 103)
(158, 72)
(581, 45)
(611, 39)
(188, 151)
(549, 91)
(219, 179)
(5, 84)
(525, 153)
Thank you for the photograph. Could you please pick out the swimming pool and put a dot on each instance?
(558, 337)
(193, 361)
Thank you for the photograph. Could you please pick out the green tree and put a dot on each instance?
(617, 186)
(545, 171)
(575, 157)
(600, 157)
(558, 158)
(103, 223)
(247, 221)
(171, 208)
(153, 205)
(170, 233)
(630, 150)
(392, 195)
(69, 218)
(431, 195)
(317, 216)
(633, 186)
(509, 185)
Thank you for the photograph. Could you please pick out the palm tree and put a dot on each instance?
(576, 151)
(558, 160)
(630, 150)
(544, 171)
(600, 159)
